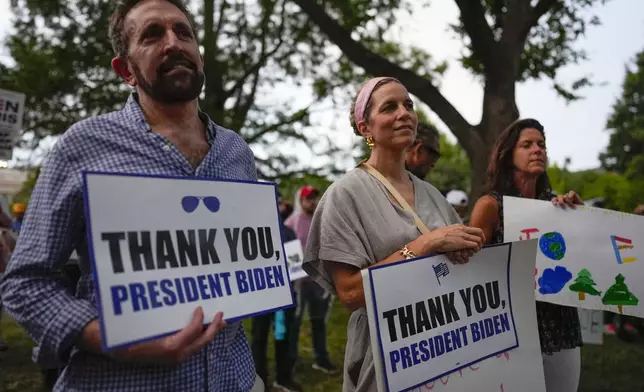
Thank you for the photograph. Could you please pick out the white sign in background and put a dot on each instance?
(295, 256)
(592, 326)
(131, 308)
(12, 108)
(589, 257)
(398, 285)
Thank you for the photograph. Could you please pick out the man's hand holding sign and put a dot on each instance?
(173, 349)
(219, 254)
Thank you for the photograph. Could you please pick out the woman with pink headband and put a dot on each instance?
(379, 213)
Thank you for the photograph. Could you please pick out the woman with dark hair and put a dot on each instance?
(517, 168)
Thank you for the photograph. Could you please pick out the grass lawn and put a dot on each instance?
(613, 367)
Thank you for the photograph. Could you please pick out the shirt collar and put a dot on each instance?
(134, 114)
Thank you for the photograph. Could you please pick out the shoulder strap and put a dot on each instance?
(397, 196)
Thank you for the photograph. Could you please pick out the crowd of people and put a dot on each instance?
(380, 212)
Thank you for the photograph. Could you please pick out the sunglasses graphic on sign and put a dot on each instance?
(190, 203)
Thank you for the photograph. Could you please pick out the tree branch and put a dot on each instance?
(477, 28)
(523, 17)
(220, 22)
(264, 56)
(242, 106)
(378, 65)
(295, 117)
(541, 8)
(214, 78)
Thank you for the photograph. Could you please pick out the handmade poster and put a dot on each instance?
(435, 325)
(592, 326)
(295, 256)
(161, 247)
(588, 257)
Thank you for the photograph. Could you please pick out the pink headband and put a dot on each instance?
(365, 95)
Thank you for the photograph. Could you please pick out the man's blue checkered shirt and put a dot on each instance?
(33, 291)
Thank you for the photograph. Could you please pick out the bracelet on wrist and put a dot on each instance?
(407, 254)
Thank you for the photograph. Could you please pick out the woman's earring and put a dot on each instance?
(370, 142)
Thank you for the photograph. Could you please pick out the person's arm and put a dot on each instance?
(33, 292)
(5, 220)
(485, 216)
(348, 278)
(10, 239)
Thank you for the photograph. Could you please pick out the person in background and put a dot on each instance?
(286, 209)
(18, 210)
(5, 254)
(160, 130)
(72, 274)
(517, 167)
(422, 156)
(282, 324)
(309, 293)
(359, 225)
(7, 244)
(459, 200)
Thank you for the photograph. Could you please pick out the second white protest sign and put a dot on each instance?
(429, 318)
(295, 257)
(160, 247)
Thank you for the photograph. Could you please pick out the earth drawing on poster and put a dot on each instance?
(553, 245)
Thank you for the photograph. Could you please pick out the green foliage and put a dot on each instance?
(24, 194)
(625, 151)
(621, 183)
(619, 192)
(248, 48)
(614, 366)
(506, 42)
(369, 23)
(550, 44)
(452, 170)
(62, 67)
(288, 185)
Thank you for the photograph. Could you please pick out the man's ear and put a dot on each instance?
(119, 65)
(415, 148)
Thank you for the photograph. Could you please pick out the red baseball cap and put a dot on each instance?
(308, 191)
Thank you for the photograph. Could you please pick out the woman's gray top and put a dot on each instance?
(357, 223)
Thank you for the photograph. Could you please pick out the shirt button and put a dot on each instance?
(166, 148)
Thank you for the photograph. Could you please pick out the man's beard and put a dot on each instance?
(170, 89)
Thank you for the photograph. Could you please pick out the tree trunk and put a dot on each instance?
(213, 103)
(501, 60)
(499, 111)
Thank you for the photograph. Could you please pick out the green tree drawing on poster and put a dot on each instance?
(584, 284)
(619, 294)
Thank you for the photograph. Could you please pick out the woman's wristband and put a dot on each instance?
(407, 254)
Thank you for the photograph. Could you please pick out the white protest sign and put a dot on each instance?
(592, 326)
(161, 247)
(439, 326)
(295, 256)
(589, 257)
(12, 108)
